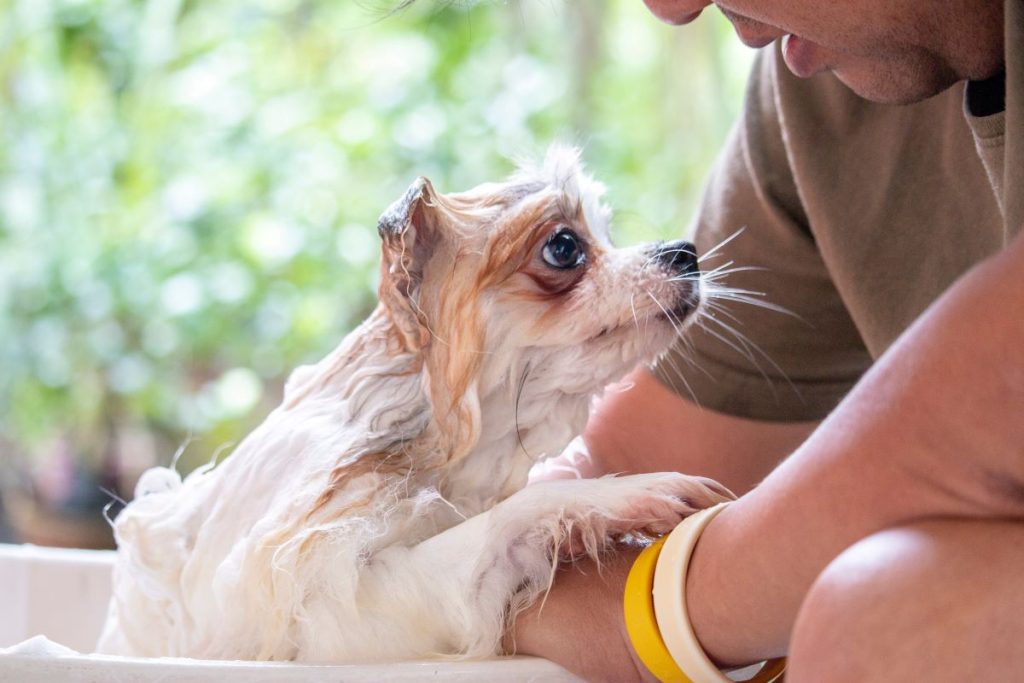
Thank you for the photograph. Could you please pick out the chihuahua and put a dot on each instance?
(381, 512)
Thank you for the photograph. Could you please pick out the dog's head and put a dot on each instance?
(516, 287)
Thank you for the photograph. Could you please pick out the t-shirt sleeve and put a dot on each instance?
(747, 360)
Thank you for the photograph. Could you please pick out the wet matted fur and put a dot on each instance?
(380, 512)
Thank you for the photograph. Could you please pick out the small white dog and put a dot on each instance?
(380, 512)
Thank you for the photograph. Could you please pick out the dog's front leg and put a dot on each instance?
(474, 575)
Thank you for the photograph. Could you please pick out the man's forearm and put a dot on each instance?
(642, 426)
(936, 429)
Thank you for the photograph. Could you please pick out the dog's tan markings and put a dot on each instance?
(516, 244)
(343, 475)
(516, 249)
(451, 362)
(453, 365)
(520, 238)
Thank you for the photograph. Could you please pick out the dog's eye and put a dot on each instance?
(563, 250)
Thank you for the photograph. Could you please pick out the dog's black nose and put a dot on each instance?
(680, 256)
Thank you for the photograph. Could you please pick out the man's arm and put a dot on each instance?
(642, 426)
(934, 431)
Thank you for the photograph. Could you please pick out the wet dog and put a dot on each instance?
(381, 512)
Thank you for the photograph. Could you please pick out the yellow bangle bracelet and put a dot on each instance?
(670, 610)
(641, 624)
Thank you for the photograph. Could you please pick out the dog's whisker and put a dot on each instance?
(636, 321)
(738, 347)
(714, 276)
(716, 272)
(729, 267)
(747, 348)
(677, 327)
(743, 339)
(681, 376)
(716, 307)
(711, 252)
(749, 298)
(694, 364)
(652, 258)
(717, 288)
(671, 319)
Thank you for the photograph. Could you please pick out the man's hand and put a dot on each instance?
(580, 624)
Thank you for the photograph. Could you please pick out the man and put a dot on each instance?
(888, 545)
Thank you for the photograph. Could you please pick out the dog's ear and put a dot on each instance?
(410, 230)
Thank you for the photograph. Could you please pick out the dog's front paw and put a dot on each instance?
(653, 504)
(585, 516)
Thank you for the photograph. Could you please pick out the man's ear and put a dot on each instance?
(409, 231)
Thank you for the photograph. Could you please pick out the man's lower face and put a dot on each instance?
(876, 47)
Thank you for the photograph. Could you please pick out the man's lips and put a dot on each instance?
(751, 40)
(751, 33)
(803, 57)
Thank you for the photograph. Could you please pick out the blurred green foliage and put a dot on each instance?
(188, 190)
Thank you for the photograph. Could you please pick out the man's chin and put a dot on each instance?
(899, 87)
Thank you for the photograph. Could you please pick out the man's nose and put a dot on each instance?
(676, 12)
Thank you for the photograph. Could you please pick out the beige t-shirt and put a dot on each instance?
(856, 217)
